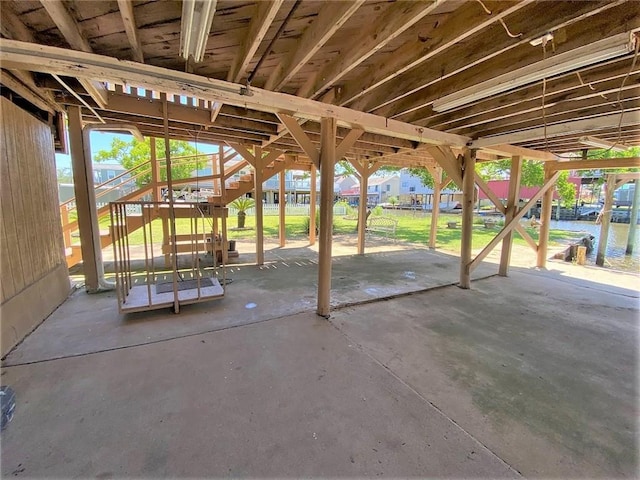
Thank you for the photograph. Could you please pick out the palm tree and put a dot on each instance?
(242, 204)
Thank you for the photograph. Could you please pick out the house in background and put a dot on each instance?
(414, 193)
(379, 190)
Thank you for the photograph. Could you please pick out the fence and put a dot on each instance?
(290, 210)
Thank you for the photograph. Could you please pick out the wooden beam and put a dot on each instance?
(527, 153)
(82, 185)
(260, 23)
(509, 226)
(76, 39)
(215, 111)
(66, 24)
(515, 176)
(312, 205)
(47, 59)
(329, 20)
(12, 83)
(490, 193)
(577, 127)
(12, 27)
(394, 21)
(467, 21)
(598, 79)
(327, 164)
(449, 162)
(545, 219)
(348, 142)
(435, 208)
(599, 163)
(470, 63)
(258, 177)
(126, 11)
(606, 220)
(468, 193)
(245, 153)
(301, 138)
(282, 193)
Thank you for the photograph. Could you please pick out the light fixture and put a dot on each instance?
(591, 54)
(197, 17)
(547, 37)
(605, 144)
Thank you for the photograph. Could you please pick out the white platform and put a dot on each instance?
(138, 298)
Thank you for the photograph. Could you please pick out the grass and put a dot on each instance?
(413, 228)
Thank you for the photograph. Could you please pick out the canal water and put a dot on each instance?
(616, 244)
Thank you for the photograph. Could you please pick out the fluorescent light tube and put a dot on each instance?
(605, 144)
(591, 54)
(197, 17)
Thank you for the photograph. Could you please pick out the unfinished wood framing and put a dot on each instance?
(545, 222)
(312, 205)
(327, 164)
(605, 220)
(83, 188)
(282, 203)
(515, 176)
(468, 193)
(435, 206)
(512, 224)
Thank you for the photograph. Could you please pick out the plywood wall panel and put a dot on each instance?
(31, 248)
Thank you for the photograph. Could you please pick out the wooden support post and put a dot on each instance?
(362, 208)
(545, 219)
(515, 175)
(633, 221)
(281, 208)
(156, 191)
(312, 206)
(84, 193)
(64, 214)
(258, 179)
(214, 172)
(223, 187)
(172, 213)
(468, 191)
(435, 208)
(327, 164)
(606, 220)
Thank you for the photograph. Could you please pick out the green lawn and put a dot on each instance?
(414, 229)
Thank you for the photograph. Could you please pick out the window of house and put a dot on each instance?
(405, 184)
(412, 189)
(388, 188)
(111, 174)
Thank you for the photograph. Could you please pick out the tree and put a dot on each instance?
(64, 175)
(133, 153)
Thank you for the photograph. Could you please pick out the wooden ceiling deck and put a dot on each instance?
(392, 59)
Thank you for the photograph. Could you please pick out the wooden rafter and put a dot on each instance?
(526, 100)
(467, 65)
(74, 37)
(329, 20)
(468, 21)
(126, 12)
(577, 126)
(260, 23)
(396, 20)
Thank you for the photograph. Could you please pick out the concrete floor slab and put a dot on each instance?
(286, 398)
(285, 285)
(541, 367)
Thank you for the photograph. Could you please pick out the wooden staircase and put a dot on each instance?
(232, 191)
